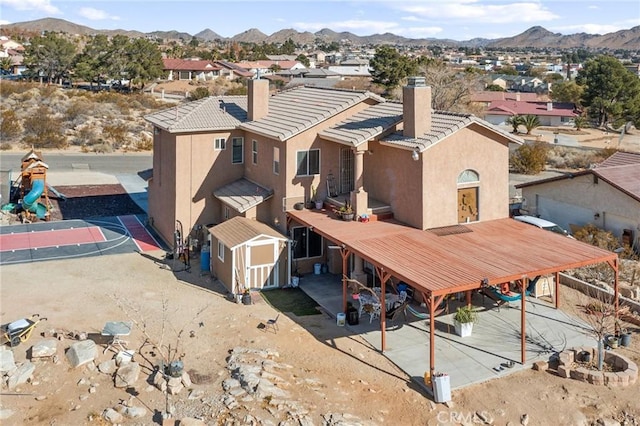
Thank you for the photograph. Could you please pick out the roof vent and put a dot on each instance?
(416, 82)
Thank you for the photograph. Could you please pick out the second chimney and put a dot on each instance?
(416, 107)
(258, 99)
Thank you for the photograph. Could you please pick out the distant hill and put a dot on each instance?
(534, 37)
(539, 37)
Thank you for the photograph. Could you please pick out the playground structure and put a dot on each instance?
(33, 188)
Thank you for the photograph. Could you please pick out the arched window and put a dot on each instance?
(468, 176)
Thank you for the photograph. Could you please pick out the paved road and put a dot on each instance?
(113, 164)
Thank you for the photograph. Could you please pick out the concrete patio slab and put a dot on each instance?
(483, 356)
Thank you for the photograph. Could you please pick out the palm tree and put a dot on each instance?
(514, 121)
(6, 63)
(580, 121)
(530, 122)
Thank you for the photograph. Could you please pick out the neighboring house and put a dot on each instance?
(518, 83)
(485, 97)
(185, 69)
(232, 71)
(351, 71)
(607, 196)
(262, 68)
(549, 113)
(259, 156)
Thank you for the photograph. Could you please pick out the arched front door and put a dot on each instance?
(468, 183)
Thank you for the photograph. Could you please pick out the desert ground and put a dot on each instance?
(332, 376)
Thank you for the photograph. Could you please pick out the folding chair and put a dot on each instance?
(273, 323)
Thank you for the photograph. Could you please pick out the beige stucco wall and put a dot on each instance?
(582, 192)
(222, 270)
(189, 170)
(393, 177)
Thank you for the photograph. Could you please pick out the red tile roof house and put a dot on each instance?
(263, 68)
(607, 196)
(549, 113)
(185, 69)
(434, 186)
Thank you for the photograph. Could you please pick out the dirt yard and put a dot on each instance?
(328, 373)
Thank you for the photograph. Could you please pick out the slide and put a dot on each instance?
(29, 201)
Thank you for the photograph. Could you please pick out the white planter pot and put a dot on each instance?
(463, 329)
(319, 205)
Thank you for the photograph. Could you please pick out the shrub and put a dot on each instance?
(8, 88)
(117, 133)
(76, 109)
(530, 158)
(10, 126)
(43, 130)
(145, 143)
(5, 146)
(199, 93)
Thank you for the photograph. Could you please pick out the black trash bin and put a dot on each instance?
(352, 317)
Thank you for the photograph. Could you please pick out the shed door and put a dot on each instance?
(467, 205)
(262, 264)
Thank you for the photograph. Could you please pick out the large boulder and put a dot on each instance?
(112, 416)
(127, 375)
(107, 367)
(21, 374)
(83, 352)
(44, 348)
(7, 362)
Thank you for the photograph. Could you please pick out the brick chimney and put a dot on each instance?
(416, 107)
(258, 99)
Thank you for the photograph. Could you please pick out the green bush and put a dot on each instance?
(529, 158)
(199, 93)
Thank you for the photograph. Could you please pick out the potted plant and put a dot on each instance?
(463, 320)
(346, 211)
(315, 199)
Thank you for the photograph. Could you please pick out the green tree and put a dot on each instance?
(303, 60)
(530, 122)
(529, 158)
(611, 92)
(91, 64)
(288, 47)
(389, 67)
(507, 70)
(566, 91)
(144, 62)
(50, 56)
(494, 88)
(6, 63)
(580, 122)
(514, 121)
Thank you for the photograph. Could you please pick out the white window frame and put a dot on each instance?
(233, 147)
(221, 251)
(276, 160)
(254, 151)
(219, 144)
(307, 171)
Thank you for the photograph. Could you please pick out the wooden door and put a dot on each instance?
(467, 205)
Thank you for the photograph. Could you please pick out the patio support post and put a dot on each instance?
(468, 295)
(523, 316)
(556, 292)
(616, 299)
(359, 195)
(345, 257)
(432, 336)
(384, 277)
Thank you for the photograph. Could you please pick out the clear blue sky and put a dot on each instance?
(453, 19)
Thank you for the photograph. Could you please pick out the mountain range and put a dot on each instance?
(534, 37)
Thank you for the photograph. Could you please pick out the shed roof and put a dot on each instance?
(239, 230)
(457, 258)
(243, 194)
(208, 114)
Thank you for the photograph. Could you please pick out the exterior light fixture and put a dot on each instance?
(416, 153)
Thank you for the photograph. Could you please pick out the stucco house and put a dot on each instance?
(549, 113)
(186, 69)
(607, 196)
(260, 155)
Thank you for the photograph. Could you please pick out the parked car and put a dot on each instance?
(543, 224)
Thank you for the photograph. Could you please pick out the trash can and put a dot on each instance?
(352, 316)
(204, 260)
(441, 387)
(317, 268)
(340, 319)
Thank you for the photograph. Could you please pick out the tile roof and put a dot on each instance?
(208, 114)
(294, 111)
(488, 96)
(621, 170)
(559, 109)
(234, 67)
(239, 230)
(188, 65)
(620, 158)
(365, 125)
(243, 194)
(313, 82)
(444, 124)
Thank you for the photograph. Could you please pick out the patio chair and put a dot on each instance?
(373, 309)
(273, 323)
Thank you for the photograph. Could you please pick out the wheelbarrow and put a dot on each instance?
(20, 330)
